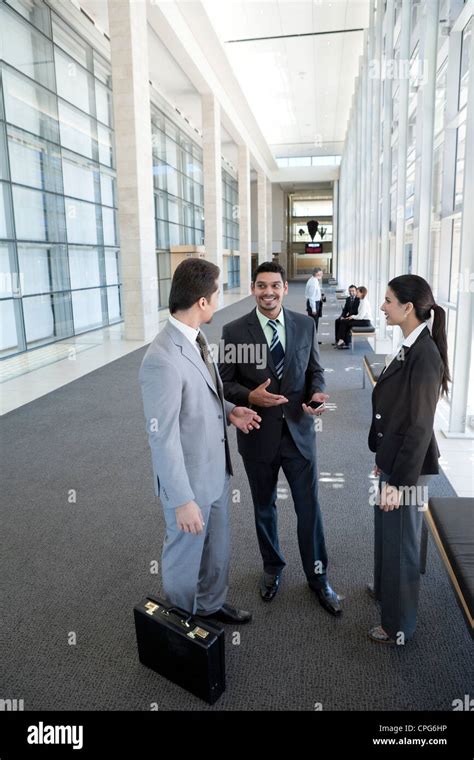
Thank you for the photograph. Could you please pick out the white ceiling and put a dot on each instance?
(300, 89)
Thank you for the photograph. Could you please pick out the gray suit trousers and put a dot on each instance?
(397, 564)
(195, 569)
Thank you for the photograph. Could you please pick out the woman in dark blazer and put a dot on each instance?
(401, 435)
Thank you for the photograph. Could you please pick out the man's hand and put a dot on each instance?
(189, 518)
(389, 498)
(244, 419)
(260, 396)
(319, 397)
(313, 313)
(376, 471)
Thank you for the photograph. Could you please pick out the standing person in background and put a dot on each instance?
(363, 318)
(313, 296)
(401, 435)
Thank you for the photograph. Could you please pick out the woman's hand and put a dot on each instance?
(389, 498)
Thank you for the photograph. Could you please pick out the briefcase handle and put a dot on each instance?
(178, 613)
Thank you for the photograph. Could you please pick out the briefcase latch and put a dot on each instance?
(198, 632)
(151, 607)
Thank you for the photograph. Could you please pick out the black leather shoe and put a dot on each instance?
(328, 599)
(269, 585)
(228, 614)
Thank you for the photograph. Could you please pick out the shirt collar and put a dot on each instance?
(189, 332)
(265, 320)
(411, 338)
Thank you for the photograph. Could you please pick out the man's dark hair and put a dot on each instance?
(269, 266)
(192, 280)
(317, 269)
(352, 286)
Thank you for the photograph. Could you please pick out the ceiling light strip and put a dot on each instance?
(289, 36)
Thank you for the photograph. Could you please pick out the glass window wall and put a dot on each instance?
(58, 232)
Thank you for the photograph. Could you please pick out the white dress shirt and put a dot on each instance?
(364, 311)
(312, 292)
(268, 331)
(189, 332)
(407, 342)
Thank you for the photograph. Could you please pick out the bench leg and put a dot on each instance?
(423, 547)
(352, 343)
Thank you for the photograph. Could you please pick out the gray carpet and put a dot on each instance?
(72, 570)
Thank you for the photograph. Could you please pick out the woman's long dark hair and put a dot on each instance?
(410, 288)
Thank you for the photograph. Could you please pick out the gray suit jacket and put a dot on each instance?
(184, 422)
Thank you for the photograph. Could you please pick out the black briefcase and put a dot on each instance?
(186, 649)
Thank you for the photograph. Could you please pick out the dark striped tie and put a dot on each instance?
(276, 349)
(204, 349)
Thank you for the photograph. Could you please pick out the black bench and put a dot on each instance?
(451, 522)
(373, 365)
(362, 332)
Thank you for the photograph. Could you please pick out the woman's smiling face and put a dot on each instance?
(395, 312)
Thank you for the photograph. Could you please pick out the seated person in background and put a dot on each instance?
(363, 318)
(350, 308)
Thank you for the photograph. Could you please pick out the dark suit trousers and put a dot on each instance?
(345, 326)
(397, 564)
(310, 313)
(336, 328)
(303, 481)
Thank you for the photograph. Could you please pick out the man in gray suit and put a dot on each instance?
(186, 418)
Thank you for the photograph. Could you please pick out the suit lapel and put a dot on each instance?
(397, 363)
(191, 354)
(289, 343)
(393, 367)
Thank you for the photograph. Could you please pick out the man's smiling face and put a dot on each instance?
(269, 290)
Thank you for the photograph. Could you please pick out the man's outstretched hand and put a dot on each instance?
(261, 397)
(244, 419)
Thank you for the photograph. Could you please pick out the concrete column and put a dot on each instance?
(212, 169)
(396, 267)
(383, 269)
(368, 148)
(375, 208)
(262, 216)
(245, 236)
(335, 226)
(129, 57)
(358, 181)
(460, 371)
(269, 221)
(423, 241)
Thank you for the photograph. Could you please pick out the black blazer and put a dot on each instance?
(302, 376)
(349, 308)
(403, 408)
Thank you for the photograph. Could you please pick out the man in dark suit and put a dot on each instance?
(280, 389)
(351, 306)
